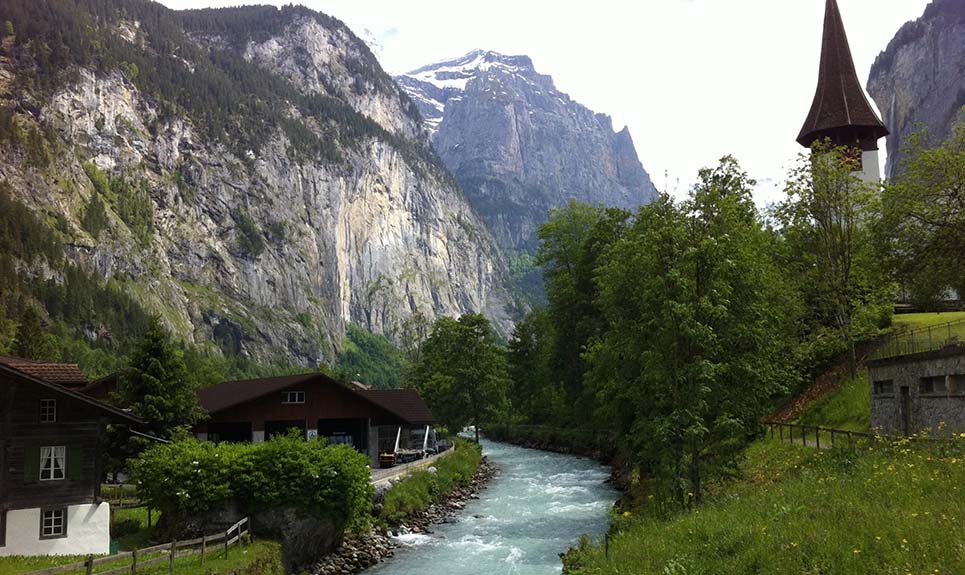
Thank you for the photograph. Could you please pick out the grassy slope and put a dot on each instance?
(848, 407)
(260, 558)
(421, 489)
(915, 320)
(800, 510)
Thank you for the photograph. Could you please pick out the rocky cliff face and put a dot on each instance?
(330, 208)
(919, 80)
(519, 147)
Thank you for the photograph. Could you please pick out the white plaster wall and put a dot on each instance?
(257, 436)
(88, 532)
(870, 168)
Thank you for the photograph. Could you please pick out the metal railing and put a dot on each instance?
(814, 435)
(922, 339)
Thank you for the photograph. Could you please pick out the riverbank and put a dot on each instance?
(538, 505)
(413, 505)
(794, 509)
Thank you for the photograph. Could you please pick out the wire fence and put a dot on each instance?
(919, 340)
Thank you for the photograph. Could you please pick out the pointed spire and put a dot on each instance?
(840, 110)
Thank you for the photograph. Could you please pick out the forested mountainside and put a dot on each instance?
(919, 80)
(519, 147)
(251, 174)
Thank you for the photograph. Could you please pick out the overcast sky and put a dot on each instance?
(693, 79)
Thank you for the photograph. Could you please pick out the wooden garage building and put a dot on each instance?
(372, 421)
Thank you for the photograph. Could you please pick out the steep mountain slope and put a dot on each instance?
(919, 80)
(519, 146)
(250, 173)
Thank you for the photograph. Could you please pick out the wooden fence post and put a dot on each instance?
(817, 437)
(89, 564)
(134, 562)
(149, 517)
(780, 429)
(227, 535)
(174, 550)
(204, 545)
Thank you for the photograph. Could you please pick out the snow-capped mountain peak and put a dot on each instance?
(431, 87)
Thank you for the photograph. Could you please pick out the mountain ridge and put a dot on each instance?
(520, 147)
(251, 174)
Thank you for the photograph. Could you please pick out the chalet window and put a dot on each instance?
(48, 411)
(3, 527)
(932, 385)
(53, 461)
(293, 397)
(53, 523)
(884, 387)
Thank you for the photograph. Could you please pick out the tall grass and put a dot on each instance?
(888, 511)
(848, 407)
(421, 489)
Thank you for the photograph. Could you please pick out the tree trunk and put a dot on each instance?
(695, 473)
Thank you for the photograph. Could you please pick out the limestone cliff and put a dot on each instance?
(919, 80)
(519, 147)
(289, 185)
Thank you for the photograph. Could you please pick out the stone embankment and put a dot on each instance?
(359, 553)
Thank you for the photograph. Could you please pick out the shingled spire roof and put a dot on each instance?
(841, 110)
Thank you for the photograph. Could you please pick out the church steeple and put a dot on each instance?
(841, 110)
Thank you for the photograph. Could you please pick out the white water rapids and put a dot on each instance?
(537, 507)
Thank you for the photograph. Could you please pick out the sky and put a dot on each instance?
(693, 79)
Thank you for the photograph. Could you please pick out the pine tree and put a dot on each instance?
(157, 388)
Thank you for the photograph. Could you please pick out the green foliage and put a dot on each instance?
(131, 201)
(698, 328)
(31, 340)
(130, 70)
(802, 510)
(233, 100)
(848, 407)
(371, 359)
(188, 478)
(571, 245)
(157, 387)
(95, 216)
(100, 181)
(828, 225)
(923, 218)
(532, 393)
(421, 489)
(250, 240)
(461, 372)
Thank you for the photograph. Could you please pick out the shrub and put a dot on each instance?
(192, 478)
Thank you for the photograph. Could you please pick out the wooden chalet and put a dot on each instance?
(375, 422)
(50, 466)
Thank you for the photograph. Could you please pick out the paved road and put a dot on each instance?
(380, 476)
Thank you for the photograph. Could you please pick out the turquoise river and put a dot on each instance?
(537, 507)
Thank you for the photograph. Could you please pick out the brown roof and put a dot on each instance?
(231, 393)
(407, 403)
(16, 374)
(66, 374)
(840, 105)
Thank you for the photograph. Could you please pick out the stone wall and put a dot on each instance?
(941, 408)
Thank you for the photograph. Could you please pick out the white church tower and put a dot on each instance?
(841, 111)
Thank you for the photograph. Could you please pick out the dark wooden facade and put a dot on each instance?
(78, 426)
